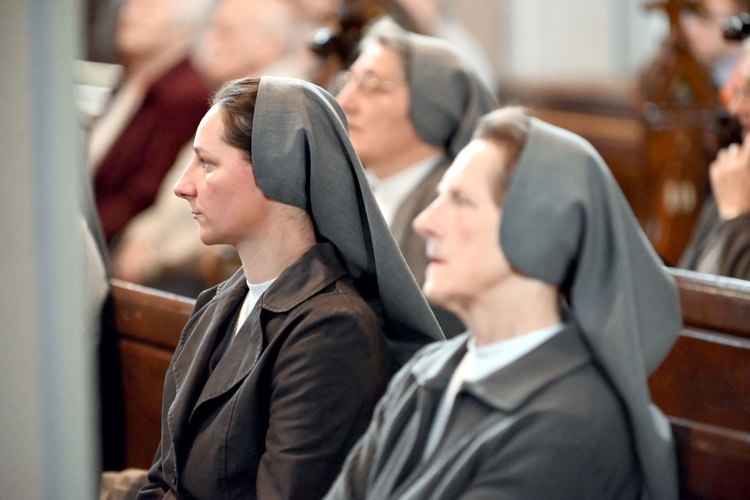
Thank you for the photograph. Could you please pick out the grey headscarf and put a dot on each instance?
(447, 95)
(302, 156)
(566, 222)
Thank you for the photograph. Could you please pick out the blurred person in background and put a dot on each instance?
(720, 242)
(244, 38)
(703, 30)
(154, 111)
(412, 104)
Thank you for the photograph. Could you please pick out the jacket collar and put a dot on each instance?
(313, 271)
(511, 386)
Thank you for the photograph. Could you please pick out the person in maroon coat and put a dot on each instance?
(155, 111)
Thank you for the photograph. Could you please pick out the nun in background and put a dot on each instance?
(568, 310)
(278, 370)
(412, 103)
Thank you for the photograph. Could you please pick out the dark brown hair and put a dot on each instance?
(237, 98)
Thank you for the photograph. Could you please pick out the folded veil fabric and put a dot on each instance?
(449, 98)
(447, 94)
(565, 221)
(302, 156)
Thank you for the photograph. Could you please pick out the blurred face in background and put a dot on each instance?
(244, 37)
(704, 34)
(376, 99)
(146, 27)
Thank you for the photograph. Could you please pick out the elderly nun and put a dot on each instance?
(568, 309)
(278, 369)
(412, 102)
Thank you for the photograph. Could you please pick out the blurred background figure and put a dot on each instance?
(318, 12)
(244, 38)
(335, 43)
(705, 38)
(720, 242)
(250, 37)
(154, 111)
(101, 20)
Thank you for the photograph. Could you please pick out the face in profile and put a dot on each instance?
(377, 103)
(220, 186)
(462, 228)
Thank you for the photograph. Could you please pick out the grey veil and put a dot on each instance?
(447, 96)
(302, 156)
(566, 222)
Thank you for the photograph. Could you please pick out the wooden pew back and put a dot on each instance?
(703, 385)
(149, 323)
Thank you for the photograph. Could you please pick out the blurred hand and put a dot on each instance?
(730, 179)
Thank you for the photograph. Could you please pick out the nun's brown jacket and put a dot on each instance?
(310, 359)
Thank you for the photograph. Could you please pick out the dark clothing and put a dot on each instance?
(718, 246)
(548, 425)
(275, 413)
(128, 177)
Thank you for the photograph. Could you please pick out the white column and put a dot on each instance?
(47, 429)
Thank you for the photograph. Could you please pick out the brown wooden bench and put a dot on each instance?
(703, 385)
(148, 324)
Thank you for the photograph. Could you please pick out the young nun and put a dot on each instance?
(568, 309)
(279, 368)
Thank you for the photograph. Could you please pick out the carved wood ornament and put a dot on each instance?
(677, 105)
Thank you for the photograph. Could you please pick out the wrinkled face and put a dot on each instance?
(145, 26)
(462, 228)
(703, 31)
(739, 105)
(376, 101)
(220, 186)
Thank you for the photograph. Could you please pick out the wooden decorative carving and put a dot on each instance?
(677, 104)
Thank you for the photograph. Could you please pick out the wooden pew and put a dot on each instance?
(148, 323)
(703, 385)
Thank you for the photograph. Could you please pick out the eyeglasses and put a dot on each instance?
(368, 82)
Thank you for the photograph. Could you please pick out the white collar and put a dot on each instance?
(490, 358)
(251, 298)
(391, 192)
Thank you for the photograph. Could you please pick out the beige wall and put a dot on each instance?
(553, 39)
